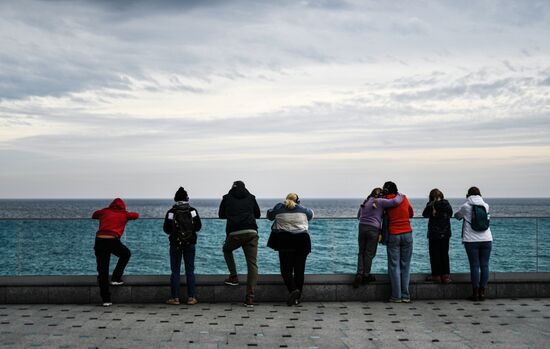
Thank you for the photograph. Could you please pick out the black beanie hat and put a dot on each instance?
(181, 195)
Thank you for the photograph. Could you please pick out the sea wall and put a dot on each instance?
(210, 288)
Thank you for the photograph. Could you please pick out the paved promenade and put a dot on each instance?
(499, 323)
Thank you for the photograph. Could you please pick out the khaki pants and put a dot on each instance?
(249, 243)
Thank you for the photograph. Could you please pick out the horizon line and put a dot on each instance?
(261, 198)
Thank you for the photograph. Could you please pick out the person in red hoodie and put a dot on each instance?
(399, 246)
(112, 221)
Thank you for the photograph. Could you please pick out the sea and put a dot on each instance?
(56, 237)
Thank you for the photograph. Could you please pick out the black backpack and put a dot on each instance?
(183, 232)
(480, 218)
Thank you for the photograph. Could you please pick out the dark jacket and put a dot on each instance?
(240, 209)
(169, 221)
(439, 225)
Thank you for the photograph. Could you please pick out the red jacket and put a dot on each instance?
(399, 216)
(113, 219)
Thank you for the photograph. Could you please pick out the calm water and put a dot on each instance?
(59, 244)
(156, 208)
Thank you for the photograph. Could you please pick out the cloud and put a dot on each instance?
(203, 84)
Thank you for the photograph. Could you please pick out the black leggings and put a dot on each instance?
(103, 249)
(439, 256)
(293, 266)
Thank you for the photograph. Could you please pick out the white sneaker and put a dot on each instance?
(117, 283)
(107, 304)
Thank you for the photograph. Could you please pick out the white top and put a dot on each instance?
(465, 213)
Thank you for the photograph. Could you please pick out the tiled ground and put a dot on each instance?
(502, 323)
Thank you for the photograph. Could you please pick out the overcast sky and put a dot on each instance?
(324, 98)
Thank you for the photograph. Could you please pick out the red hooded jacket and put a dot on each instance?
(113, 219)
(399, 217)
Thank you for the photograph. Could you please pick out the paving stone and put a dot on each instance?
(440, 324)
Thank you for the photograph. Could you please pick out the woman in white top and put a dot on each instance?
(477, 240)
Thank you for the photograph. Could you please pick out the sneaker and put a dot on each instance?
(249, 302)
(394, 300)
(357, 281)
(292, 297)
(405, 300)
(446, 279)
(298, 301)
(117, 283)
(232, 281)
(369, 278)
(173, 301)
(192, 301)
(107, 304)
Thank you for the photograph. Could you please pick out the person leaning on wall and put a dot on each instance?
(439, 213)
(290, 237)
(112, 221)
(399, 246)
(181, 223)
(241, 210)
(477, 240)
(370, 222)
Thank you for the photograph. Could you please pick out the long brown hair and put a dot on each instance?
(435, 195)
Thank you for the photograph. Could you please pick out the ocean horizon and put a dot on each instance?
(207, 207)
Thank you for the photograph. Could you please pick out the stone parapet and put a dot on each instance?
(210, 288)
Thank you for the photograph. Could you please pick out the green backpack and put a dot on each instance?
(480, 218)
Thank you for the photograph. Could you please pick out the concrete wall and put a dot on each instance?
(210, 288)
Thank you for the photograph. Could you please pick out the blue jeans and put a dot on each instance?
(478, 256)
(400, 249)
(188, 253)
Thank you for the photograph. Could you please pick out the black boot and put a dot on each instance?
(474, 296)
(481, 293)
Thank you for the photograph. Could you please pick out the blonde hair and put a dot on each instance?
(290, 201)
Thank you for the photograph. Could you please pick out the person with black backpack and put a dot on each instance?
(477, 240)
(181, 223)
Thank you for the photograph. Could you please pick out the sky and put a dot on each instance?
(325, 98)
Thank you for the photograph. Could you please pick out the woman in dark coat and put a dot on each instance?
(439, 212)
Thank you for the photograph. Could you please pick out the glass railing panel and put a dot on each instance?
(65, 247)
(514, 245)
(543, 239)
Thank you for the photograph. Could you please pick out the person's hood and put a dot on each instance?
(239, 192)
(475, 200)
(118, 204)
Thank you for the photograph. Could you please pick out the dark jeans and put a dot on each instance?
(103, 249)
(478, 256)
(188, 254)
(293, 266)
(368, 242)
(249, 243)
(439, 256)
